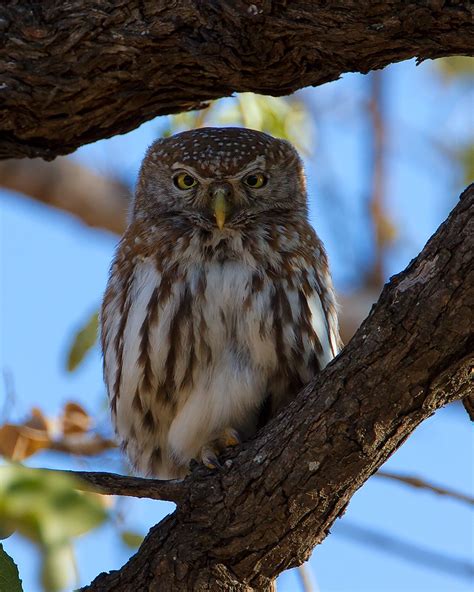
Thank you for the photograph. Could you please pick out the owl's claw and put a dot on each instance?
(209, 458)
(209, 452)
(229, 437)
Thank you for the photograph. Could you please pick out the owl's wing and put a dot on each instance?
(136, 307)
(305, 326)
(318, 307)
(325, 324)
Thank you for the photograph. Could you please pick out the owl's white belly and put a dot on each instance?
(197, 357)
(229, 381)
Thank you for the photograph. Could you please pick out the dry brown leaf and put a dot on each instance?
(37, 421)
(83, 446)
(18, 442)
(75, 419)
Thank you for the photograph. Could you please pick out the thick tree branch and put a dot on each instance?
(278, 495)
(81, 70)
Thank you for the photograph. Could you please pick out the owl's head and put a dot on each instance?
(220, 178)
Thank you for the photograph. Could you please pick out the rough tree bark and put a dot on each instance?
(277, 497)
(77, 71)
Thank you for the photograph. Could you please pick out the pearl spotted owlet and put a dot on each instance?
(220, 304)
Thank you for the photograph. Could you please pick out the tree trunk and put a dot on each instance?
(81, 70)
(278, 496)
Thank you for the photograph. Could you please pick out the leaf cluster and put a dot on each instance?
(46, 508)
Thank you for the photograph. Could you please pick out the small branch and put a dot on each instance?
(112, 484)
(406, 550)
(87, 446)
(422, 484)
(381, 225)
(10, 397)
(305, 578)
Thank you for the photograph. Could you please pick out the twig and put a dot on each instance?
(422, 484)
(113, 484)
(9, 395)
(454, 566)
(305, 578)
(377, 199)
(89, 446)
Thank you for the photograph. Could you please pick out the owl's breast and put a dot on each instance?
(232, 313)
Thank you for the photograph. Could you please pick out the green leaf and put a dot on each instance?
(456, 67)
(131, 539)
(466, 158)
(83, 341)
(46, 507)
(9, 576)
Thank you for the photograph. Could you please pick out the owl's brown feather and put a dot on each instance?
(202, 328)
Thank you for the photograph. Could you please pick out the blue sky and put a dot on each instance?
(53, 272)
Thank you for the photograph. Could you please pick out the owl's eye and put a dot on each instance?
(255, 180)
(184, 181)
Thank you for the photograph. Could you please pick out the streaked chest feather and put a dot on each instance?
(213, 316)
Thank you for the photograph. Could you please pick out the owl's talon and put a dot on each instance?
(229, 438)
(209, 458)
(212, 464)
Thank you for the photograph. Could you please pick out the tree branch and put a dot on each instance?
(97, 200)
(84, 70)
(112, 484)
(413, 481)
(278, 495)
(408, 551)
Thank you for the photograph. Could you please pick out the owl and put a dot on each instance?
(219, 306)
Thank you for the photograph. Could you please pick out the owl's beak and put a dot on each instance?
(221, 195)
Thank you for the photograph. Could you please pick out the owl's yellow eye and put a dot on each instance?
(184, 181)
(255, 180)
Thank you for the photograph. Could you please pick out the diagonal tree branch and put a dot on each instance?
(278, 496)
(81, 70)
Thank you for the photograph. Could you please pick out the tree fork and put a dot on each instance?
(77, 71)
(278, 495)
